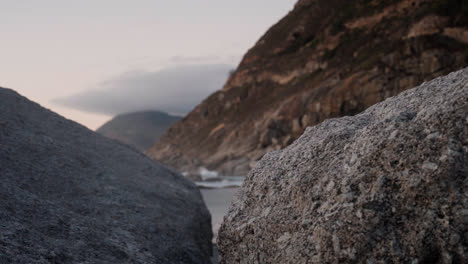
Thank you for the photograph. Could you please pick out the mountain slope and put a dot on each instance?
(139, 129)
(318, 62)
(69, 195)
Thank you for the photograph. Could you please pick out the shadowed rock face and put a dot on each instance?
(69, 195)
(388, 185)
(325, 59)
(139, 129)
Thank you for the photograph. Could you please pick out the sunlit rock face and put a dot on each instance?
(388, 185)
(69, 195)
(325, 59)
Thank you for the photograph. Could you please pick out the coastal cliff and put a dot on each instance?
(325, 59)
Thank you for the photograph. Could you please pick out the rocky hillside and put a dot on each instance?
(140, 129)
(386, 186)
(69, 195)
(326, 58)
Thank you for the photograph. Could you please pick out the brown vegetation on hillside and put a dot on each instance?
(324, 59)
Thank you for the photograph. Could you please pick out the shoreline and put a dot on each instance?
(217, 201)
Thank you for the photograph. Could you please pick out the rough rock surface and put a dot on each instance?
(138, 129)
(325, 59)
(386, 186)
(69, 195)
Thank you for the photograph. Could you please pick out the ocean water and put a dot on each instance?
(212, 180)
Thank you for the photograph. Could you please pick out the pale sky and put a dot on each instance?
(58, 48)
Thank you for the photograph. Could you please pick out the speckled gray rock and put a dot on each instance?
(386, 186)
(69, 195)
